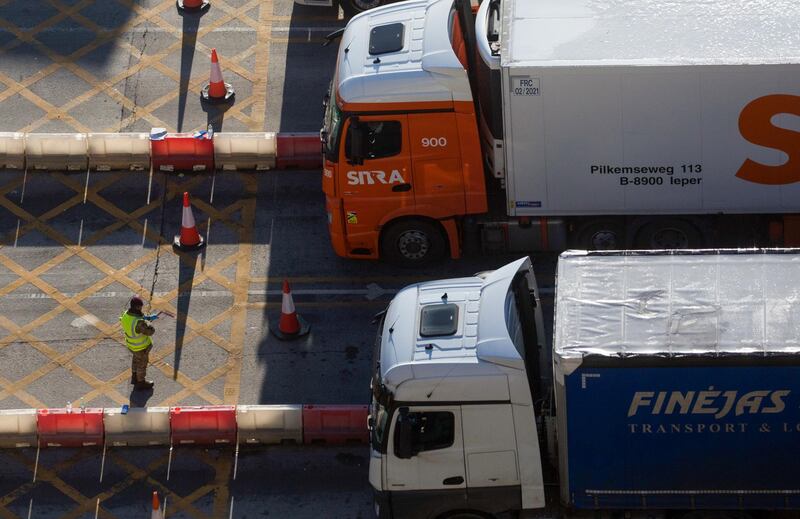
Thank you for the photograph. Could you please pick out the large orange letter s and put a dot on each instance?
(755, 125)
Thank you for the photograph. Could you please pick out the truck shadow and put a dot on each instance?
(306, 69)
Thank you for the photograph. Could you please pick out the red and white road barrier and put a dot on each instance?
(160, 150)
(205, 425)
(201, 425)
(298, 150)
(335, 424)
(70, 427)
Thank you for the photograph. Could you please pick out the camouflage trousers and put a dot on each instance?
(139, 364)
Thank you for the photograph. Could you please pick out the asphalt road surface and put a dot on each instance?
(74, 248)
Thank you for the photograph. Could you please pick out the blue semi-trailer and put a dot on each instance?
(672, 389)
(678, 379)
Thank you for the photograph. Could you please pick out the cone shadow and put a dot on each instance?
(186, 271)
(215, 114)
(191, 23)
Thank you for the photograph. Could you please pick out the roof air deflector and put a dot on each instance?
(386, 38)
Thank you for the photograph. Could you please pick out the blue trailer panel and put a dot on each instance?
(677, 379)
(684, 437)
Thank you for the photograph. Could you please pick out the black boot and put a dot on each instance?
(133, 379)
(144, 384)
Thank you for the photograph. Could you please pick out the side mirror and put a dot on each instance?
(403, 436)
(356, 135)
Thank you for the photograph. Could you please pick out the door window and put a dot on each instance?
(430, 430)
(382, 139)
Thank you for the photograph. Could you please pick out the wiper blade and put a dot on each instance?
(335, 35)
(377, 317)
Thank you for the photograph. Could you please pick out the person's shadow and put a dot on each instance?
(139, 397)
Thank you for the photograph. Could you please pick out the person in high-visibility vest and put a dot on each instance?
(137, 332)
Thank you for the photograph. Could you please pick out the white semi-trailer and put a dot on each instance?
(672, 389)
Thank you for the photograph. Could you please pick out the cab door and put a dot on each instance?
(436, 461)
(378, 183)
(436, 161)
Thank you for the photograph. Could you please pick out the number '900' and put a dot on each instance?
(434, 142)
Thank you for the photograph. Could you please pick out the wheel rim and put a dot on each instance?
(364, 5)
(669, 238)
(413, 245)
(605, 239)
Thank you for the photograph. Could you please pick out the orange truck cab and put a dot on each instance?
(402, 155)
(517, 128)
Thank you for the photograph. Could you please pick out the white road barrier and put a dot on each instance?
(270, 424)
(56, 151)
(12, 150)
(119, 151)
(18, 428)
(245, 151)
(140, 426)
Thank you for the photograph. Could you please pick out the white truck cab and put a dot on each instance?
(453, 427)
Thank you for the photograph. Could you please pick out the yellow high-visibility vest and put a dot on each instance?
(135, 341)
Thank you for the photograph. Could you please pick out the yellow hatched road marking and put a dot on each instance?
(109, 331)
(144, 15)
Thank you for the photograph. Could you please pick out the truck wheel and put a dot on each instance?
(669, 234)
(353, 7)
(600, 235)
(412, 243)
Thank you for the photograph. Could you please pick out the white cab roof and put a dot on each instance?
(425, 69)
(650, 32)
(671, 305)
(480, 347)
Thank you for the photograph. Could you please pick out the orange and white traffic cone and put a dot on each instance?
(291, 325)
(157, 512)
(189, 239)
(217, 90)
(192, 5)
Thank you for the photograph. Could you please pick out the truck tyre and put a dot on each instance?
(669, 234)
(600, 235)
(413, 243)
(353, 7)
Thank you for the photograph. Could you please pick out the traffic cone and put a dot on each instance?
(192, 5)
(291, 325)
(217, 91)
(157, 513)
(189, 239)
